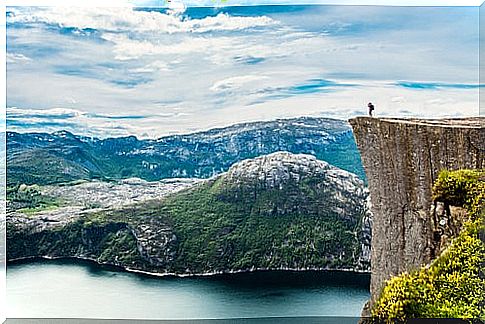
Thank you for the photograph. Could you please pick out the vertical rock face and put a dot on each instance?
(402, 158)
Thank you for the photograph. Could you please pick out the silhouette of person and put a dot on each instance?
(371, 108)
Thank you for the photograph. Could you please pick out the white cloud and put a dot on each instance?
(117, 26)
(182, 74)
(222, 50)
(152, 67)
(126, 48)
(130, 20)
(398, 99)
(237, 82)
(63, 113)
(343, 105)
(177, 7)
(17, 58)
(85, 123)
(210, 3)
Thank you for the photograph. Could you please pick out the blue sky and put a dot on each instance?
(121, 71)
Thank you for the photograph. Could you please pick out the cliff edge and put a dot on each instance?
(402, 159)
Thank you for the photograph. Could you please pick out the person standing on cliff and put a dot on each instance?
(371, 108)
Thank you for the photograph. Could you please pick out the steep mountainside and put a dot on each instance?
(402, 159)
(279, 211)
(61, 157)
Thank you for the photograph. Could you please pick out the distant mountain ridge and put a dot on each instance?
(62, 156)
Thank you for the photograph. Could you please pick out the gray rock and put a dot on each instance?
(402, 159)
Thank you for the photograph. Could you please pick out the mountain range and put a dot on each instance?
(41, 158)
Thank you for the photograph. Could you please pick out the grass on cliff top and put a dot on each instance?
(453, 285)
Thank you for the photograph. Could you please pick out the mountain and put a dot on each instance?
(278, 211)
(62, 157)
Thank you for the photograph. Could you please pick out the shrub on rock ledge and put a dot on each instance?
(452, 285)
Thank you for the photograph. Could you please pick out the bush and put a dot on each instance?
(459, 188)
(451, 286)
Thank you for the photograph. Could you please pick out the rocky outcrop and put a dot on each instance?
(402, 159)
(339, 190)
(296, 178)
(279, 211)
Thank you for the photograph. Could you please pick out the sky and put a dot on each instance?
(211, 3)
(153, 72)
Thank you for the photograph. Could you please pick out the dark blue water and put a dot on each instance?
(80, 289)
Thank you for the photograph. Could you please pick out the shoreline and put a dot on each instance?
(178, 275)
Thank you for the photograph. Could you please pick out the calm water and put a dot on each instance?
(80, 289)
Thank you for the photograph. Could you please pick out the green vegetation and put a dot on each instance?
(110, 242)
(236, 221)
(452, 286)
(33, 210)
(120, 248)
(344, 155)
(219, 228)
(460, 188)
(28, 199)
(43, 166)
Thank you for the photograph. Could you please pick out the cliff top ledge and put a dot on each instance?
(467, 122)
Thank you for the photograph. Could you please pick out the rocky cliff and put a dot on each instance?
(402, 158)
